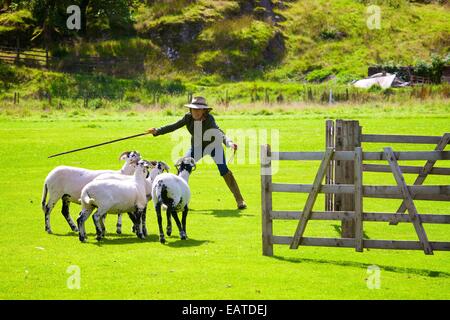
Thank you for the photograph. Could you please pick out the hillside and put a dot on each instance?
(191, 44)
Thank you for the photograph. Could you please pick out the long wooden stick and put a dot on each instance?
(97, 145)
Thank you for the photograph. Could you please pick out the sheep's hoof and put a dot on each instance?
(183, 236)
(82, 238)
(74, 228)
(119, 231)
(162, 240)
(99, 237)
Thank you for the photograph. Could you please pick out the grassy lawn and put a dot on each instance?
(222, 259)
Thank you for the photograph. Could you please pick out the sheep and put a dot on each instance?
(66, 183)
(173, 192)
(114, 196)
(157, 167)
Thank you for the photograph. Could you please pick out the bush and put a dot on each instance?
(13, 25)
(432, 70)
(318, 75)
(376, 88)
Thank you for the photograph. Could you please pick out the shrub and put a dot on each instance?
(318, 75)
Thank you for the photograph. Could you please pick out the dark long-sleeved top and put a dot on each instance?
(188, 121)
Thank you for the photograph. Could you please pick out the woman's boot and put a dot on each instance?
(234, 188)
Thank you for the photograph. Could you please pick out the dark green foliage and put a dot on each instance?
(16, 26)
(432, 70)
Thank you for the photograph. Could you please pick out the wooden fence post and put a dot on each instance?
(266, 200)
(348, 137)
(358, 182)
(46, 57)
(17, 50)
(329, 178)
(227, 101)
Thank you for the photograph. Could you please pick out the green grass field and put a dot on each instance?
(222, 259)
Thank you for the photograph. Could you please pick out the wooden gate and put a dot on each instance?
(345, 135)
(409, 194)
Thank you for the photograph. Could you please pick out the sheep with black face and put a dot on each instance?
(173, 191)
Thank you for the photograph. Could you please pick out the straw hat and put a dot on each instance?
(198, 103)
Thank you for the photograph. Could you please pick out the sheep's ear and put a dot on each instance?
(178, 163)
(124, 155)
(146, 163)
(194, 166)
(138, 154)
(153, 163)
(165, 166)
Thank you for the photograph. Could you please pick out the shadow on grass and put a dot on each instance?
(185, 243)
(420, 272)
(223, 213)
(68, 234)
(117, 239)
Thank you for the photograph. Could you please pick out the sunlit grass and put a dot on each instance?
(222, 259)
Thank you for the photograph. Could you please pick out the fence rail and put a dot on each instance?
(372, 156)
(42, 58)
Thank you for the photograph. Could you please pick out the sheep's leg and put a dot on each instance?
(183, 221)
(144, 222)
(97, 217)
(119, 224)
(180, 228)
(102, 224)
(47, 208)
(139, 223)
(84, 215)
(169, 223)
(133, 219)
(158, 214)
(65, 212)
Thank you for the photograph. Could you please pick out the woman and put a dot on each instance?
(202, 126)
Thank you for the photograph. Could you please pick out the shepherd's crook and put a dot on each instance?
(100, 144)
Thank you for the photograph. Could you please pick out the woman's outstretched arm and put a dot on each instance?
(168, 128)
